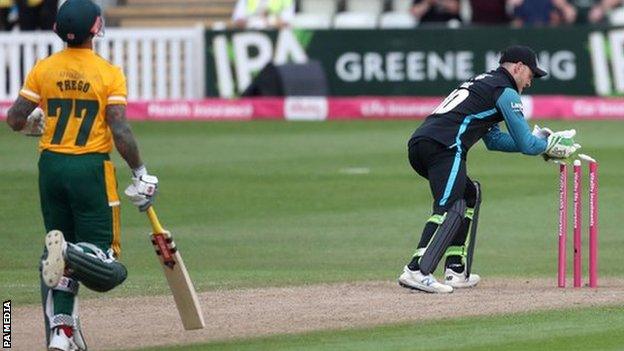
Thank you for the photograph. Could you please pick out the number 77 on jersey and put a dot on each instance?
(177, 276)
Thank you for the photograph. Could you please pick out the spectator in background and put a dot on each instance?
(489, 11)
(5, 10)
(263, 13)
(598, 13)
(432, 11)
(36, 14)
(542, 12)
(583, 8)
(565, 13)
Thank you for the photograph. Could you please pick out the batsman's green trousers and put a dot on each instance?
(79, 197)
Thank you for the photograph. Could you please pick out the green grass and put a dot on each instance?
(265, 204)
(582, 330)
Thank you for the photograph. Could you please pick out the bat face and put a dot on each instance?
(179, 281)
(177, 276)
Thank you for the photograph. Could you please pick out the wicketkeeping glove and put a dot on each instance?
(34, 123)
(541, 133)
(142, 191)
(561, 145)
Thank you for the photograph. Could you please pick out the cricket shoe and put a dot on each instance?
(61, 339)
(417, 281)
(79, 340)
(459, 280)
(53, 265)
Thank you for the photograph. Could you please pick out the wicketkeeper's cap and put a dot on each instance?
(524, 54)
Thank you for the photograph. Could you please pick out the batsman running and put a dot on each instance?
(76, 102)
(438, 152)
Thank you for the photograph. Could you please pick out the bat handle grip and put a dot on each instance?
(156, 227)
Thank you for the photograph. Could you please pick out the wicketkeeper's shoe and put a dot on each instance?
(459, 280)
(53, 265)
(417, 281)
(61, 339)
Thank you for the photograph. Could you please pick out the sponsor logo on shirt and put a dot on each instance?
(516, 106)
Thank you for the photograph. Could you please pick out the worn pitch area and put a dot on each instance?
(123, 323)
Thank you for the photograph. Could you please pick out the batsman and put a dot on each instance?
(76, 102)
(438, 151)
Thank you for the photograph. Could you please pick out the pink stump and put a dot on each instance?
(578, 215)
(563, 224)
(593, 224)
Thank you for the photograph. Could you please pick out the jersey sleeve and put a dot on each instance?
(32, 90)
(510, 107)
(117, 92)
(497, 140)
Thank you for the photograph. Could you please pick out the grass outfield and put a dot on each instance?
(276, 203)
(582, 330)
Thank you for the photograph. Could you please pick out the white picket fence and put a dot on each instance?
(158, 63)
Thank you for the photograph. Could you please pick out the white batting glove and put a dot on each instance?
(561, 145)
(35, 123)
(143, 189)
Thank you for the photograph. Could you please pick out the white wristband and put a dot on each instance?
(140, 171)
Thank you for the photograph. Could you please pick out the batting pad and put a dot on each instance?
(443, 237)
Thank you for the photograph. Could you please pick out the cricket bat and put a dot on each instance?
(178, 278)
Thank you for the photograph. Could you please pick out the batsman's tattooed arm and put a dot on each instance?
(122, 135)
(18, 113)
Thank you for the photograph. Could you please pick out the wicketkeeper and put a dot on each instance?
(438, 151)
(76, 102)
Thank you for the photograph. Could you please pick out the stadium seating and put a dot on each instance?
(355, 20)
(216, 14)
(159, 13)
(324, 7)
(616, 16)
(397, 20)
(368, 6)
(311, 21)
(401, 5)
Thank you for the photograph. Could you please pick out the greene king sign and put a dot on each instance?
(411, 62)
(429, 66)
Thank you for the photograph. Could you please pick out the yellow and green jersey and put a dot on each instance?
(73, 87)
